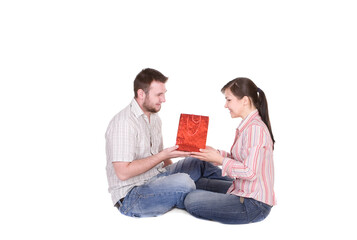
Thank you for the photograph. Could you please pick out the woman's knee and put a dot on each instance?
(193, 199)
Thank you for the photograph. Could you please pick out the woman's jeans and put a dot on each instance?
(169, 189)
(225, 208)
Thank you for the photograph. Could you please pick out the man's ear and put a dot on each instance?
(141, 94)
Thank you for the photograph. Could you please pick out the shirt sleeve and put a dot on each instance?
(224, 153)
(251, 155)
(120, 142)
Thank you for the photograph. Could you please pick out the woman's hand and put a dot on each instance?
(209, 155)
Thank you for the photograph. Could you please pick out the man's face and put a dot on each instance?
(155, 97)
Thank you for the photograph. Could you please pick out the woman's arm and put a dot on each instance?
(225, 154)
(253, 153)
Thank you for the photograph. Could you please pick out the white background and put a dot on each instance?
(67, 67)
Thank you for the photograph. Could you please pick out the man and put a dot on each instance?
(142, 179)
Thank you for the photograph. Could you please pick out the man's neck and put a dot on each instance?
(147, 113)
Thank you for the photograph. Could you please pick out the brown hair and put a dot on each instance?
(145, 78)
(241, 87)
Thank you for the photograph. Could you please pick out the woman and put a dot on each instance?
(249, 163)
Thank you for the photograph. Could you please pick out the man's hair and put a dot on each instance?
(145, 78)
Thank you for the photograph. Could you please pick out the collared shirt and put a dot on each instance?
(131, 136)
(250, 161)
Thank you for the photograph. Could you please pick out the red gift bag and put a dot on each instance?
(192, 132)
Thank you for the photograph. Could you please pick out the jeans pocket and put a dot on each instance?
(130, 204)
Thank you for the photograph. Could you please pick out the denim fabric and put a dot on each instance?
(213, 185)
(168, 189)
(196, 169)
(157, 196)
(225, 208)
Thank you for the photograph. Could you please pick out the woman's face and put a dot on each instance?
(234, 105)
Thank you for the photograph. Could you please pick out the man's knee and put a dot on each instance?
(183, 182)
(192, 163)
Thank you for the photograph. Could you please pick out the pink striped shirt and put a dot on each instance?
(250, 162)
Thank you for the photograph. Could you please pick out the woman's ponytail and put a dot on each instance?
(262, 107)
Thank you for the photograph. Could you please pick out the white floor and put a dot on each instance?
(66, 67)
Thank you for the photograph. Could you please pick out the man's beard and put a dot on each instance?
(149, 108)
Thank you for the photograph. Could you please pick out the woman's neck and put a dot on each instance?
(248, 111)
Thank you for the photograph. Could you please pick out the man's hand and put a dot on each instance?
(171, 152)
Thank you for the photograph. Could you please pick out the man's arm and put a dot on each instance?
(126, 170)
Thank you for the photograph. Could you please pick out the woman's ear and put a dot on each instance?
(246, 101)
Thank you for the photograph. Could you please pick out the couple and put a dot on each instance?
(144, 182)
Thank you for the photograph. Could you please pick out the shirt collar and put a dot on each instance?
(247, 120)
(136, 109)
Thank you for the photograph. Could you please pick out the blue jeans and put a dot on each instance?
(215, 205)
(169, 189)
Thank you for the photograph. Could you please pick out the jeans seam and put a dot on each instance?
(128, 209)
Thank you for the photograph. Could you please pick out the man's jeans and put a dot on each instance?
(169, 189)
(215, 205)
